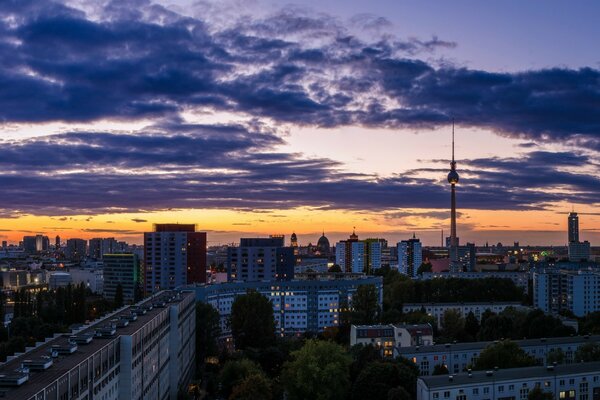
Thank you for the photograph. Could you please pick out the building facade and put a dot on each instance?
(174, 255)
(458, 357)
(572, 290)
(257, 259)
(565, 382)
(76, 249)
(309, 303)
(389, 337)
(122, 269)
(437, 310)
(140, 352)
(410, 256)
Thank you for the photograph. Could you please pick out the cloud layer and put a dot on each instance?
(134, 60)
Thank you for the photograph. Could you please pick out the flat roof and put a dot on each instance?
(481, 345)
(64, 363)
(477, 378)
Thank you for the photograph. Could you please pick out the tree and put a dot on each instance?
(496, 327)
(471, 325)
(319, 370)
(399, 393)
(207, 332)
(454, 324)
(376, 380)
(587, 352)
(362, 355)
(555, 356)
(538, 394)
(119, 296)
(365, 305)
(234, 373)
(335, 268)
(440, 369)
(424, 267)
(252, 387)
(252, 323)
(504, 354)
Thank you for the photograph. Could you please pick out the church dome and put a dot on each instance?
(323, 244)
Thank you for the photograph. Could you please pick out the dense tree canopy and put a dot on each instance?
(504, 354)
(252, 323)
(319, 370)
(207, 332)
(365, 306)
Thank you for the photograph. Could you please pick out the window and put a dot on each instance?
(446, 394)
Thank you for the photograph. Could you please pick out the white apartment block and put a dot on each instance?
(564, 382)
(305, 304)
(437, 310)
(388, 337)
(458, 357)
(576, 291)
(144, 351)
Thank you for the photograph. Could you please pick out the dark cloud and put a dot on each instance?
(139, 220)
(183, 166)
(292, 66)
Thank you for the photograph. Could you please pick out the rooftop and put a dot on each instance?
(38, 380)
(481, 345)
(477, 378)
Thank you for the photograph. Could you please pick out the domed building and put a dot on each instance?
(323, 246)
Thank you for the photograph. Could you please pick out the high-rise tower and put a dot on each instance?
(573, 227)
(453, 180)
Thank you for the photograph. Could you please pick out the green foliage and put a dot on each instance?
(399, 393)
(519, 324)
(471, 326)
(440, 369)
(365, 306)
(252, 323)
(234, 373)
(538, 394)
(590, 324)
(504, 354)
(335, 268)
(376, 380)
(319, 370)
(555, 356)
(424, 267)
(207, 332)
(588, 352)
(252, 387)
(361, 356)
(454, 325)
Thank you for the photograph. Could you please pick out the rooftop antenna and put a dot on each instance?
(452, 140)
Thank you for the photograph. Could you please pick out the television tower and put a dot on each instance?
(453, 180)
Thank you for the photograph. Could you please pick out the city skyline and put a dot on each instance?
(297, 119)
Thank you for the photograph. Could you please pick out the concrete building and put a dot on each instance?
(174, 255)
(575, 291)
(565, 382)
(35, 244)
(76, 249)
(92, 278)
(437, 310)
(139, 352)
(389, 337)
(122, 269)
(458, 357)
(257, 259)
(578, 251)
(410, 256)
(59, 279)
(519, 278)
(309, 303)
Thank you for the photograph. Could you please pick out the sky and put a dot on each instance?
(258, 117)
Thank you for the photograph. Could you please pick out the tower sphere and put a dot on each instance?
(453, 177)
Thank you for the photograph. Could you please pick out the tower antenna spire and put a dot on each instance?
(453, 140)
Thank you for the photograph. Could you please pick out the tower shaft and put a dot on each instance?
(453, 241)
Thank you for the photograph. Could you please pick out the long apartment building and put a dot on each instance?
(144, 351)
(309, 303)
(565, 382)
(437, 310)
(458, 357)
